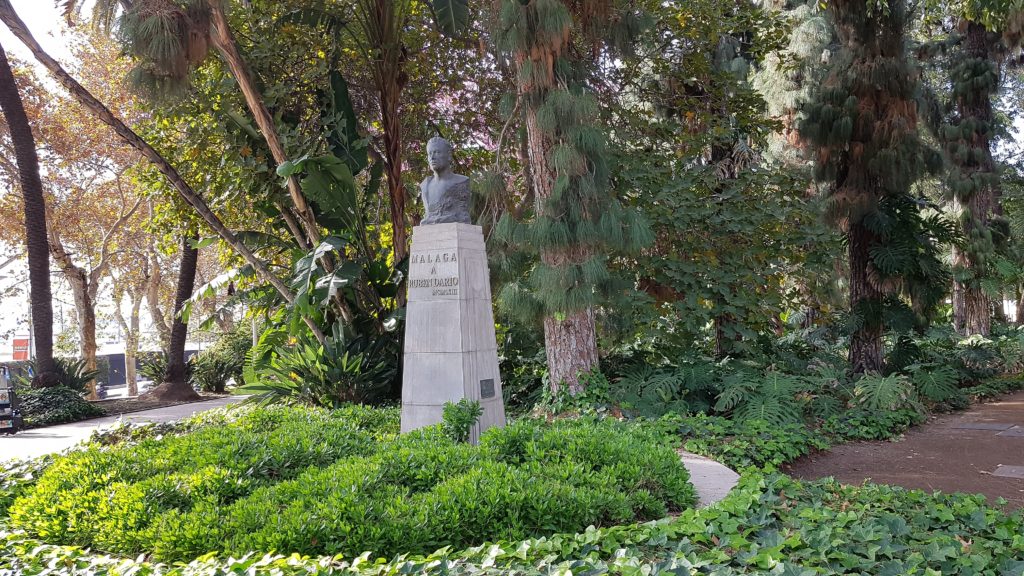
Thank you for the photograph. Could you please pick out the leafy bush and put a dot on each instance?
(871, 424)
(766, 525)
(58, 405)
(341, 371)
(153, 366)
(740, 444)
(73, 374)
(16, 476)
(308, 481)
(459, 418)
(213, 367)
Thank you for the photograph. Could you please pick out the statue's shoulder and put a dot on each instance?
(426, 182)
(460, 180)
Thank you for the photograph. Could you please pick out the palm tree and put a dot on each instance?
(176, 385)
(35, 224)
(869, 151)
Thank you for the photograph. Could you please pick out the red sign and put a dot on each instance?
(21, 349)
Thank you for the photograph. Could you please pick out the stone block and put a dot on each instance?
(450, 346)
(429, 322)
(436, 378)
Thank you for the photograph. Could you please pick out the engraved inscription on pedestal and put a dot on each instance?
(434, 275)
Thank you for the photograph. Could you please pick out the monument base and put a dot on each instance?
(450, 348)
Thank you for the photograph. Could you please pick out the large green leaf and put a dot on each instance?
(452, 16)
(340, 117)
(330, 186)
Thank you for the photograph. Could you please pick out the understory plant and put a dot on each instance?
(335, 482)
(338, 371)
(57, 405)
(768, 524)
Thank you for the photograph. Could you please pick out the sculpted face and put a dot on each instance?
(439, 155)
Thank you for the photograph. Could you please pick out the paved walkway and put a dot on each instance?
(980, 450)
(712, 480)
(39, 441)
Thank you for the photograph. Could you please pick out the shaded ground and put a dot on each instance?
(979, 450)
(118, 406)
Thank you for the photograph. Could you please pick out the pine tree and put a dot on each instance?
(863, 129)
(966, 125)
(577, 220)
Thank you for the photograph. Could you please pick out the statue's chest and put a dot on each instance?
(435, 190)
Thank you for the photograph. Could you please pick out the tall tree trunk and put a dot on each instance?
(570, 336)
(131, 348)
(1019, 319)
(866, 341)
(972, 312)
(85, 304)
(130, 328)
(382, 21)
(35, 225)
(153, 284)
(176, 385)
(87, 336)
(224, 39)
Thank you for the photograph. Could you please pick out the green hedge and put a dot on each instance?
(58, 405)
(316, 482)
(767, 525)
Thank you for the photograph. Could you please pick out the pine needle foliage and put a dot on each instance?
(862, 127)
(576, 220)
(968, 64)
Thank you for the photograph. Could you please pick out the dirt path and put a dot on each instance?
(979, 450)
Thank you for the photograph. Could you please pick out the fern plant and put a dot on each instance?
(775, 397)
(875, 392)
(935, 382)
(658, 390)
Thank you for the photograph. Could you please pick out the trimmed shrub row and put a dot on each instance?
(301, 480)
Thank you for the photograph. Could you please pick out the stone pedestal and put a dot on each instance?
(450, 348)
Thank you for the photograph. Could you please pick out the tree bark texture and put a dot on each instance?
(972, 308)
(382, 22)
(570, 336)
(176, 385)
(35, 224)
(1019, 311)
(866, 341)
(131, 352)
(83, 288)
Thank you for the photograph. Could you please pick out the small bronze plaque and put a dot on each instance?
(487, 388)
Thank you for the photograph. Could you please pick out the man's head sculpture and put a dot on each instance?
(445, 194)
